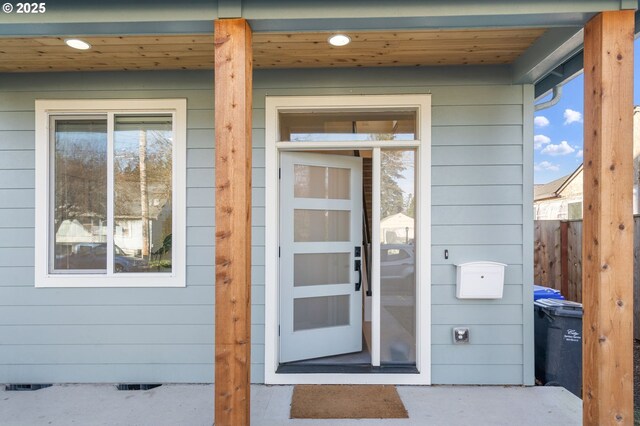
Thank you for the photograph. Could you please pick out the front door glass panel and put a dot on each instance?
(321, 269)
(320, 312)
(322, 182)
(397, 257)
(321, 225)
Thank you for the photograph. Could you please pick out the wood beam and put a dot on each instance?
(233, 103)
(608, 222)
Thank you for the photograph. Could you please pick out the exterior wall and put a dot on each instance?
(104, 334)
(481, 194)
(555, 208)
(574, 189)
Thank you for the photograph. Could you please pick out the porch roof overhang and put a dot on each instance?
(529, 39)
(571, 66)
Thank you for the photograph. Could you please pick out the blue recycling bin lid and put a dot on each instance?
(541, 292)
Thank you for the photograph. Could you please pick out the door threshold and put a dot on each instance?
(346, 369)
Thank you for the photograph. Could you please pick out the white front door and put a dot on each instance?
(320, 247)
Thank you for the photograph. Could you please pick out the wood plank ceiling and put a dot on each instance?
(271, 50)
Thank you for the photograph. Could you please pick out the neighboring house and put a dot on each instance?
(397, 228)
(559, 199)
(450, 87)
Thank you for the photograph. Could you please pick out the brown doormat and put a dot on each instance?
(347, 402)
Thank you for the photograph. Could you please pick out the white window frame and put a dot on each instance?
(422, 104)
(45, 109)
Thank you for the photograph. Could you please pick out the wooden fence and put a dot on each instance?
(557, 259)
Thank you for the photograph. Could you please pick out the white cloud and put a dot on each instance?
(539, 140)
(563, 148)
(571, 116)
(541, 121)
(580, 154)
(545, 165)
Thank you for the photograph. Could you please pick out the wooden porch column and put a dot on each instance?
(607, 240)
(233, 102)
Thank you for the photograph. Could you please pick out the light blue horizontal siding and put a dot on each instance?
(446, 295)
(17, 198)
(13, 101)
(442, 334)
(17, 139)
(466, 374)
(17, 217)
(477, 214)
(16, 237)
(17, 179)
(16, 276)
(117, 373)
(476, 354)
(191, 295)
(17, 120)
(17, 159)
(200, 158)
(504, 253)
(114, 314)
(177, 321)
(107, 373)
(470, 194)
(201, 138)
(18, 256)
(482, 136)
(442, 95)
(470, 175)
(163, 334)
(116, 354)
(476, 115)
(476, 155)
(476, 234)
(480, 313)
(201, 216)
(201, 178)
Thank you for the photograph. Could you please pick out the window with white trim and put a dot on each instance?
(110, 193)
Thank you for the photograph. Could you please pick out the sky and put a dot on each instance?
(558, 140)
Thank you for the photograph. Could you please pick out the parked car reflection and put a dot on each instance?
(397, 269)
(93, 256)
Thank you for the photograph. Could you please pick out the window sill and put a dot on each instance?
(151, 280)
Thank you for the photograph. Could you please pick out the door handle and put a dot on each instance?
(358, 268)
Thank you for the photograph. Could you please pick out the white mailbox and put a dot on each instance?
(480, 280)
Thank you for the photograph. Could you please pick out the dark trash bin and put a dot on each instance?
(558, 343)
(542, 292)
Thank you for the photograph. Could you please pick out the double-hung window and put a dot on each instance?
(110, 193)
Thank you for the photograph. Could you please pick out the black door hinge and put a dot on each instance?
(279, 173)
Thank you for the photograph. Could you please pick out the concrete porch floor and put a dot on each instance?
(192, 405)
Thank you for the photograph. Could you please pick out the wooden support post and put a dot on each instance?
(607, 239)
(233, 103)
(564, 259)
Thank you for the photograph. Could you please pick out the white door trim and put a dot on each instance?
(422, 103)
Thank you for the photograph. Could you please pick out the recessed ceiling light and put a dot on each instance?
(339, 40)
(77, 44)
